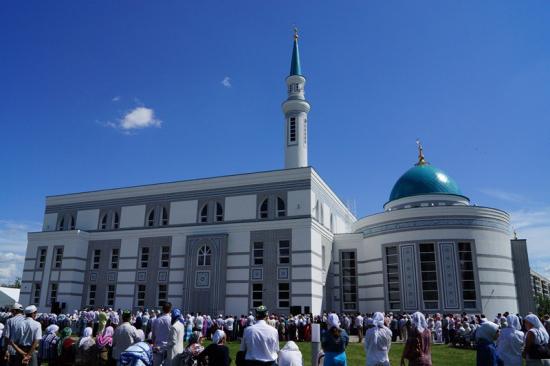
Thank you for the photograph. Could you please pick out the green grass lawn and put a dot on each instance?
(441, 354)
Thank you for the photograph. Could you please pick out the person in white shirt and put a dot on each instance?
(359, 326)
(125, 335)
(27, 341)
(229, 321)
(160, 334)
(260, 341)
(199, 322)
(378, 342)
(175, 339)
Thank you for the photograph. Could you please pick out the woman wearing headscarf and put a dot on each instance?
(48, 345)
(438, 327)
(536, 342)
(102, 322)
(418, 347)
(290, 355)
(485, 344)
(65, 348)
(217, 353)
(510, 342)
(175, 338)
(85, 352)
(104, 346)
(378, 342)
(334, 343)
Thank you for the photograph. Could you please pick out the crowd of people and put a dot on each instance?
(169, 337)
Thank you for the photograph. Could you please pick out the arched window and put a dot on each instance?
(164, 217)
(103, 223)
(204, 213)
(264, 209)
(116, 221)
(61, 225)
(71, 223)
(281, 207)
(204, 256)
(332, 222)
(316, 210)
(151, 218)
(219, 212)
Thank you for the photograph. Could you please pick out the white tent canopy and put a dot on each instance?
(8, 296)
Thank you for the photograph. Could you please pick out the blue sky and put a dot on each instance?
(205, 81)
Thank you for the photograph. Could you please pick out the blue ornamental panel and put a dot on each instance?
(409, 277)
(447, 258)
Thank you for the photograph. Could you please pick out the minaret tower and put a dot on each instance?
(295, 108)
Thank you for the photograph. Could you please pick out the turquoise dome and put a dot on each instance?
(423, 179)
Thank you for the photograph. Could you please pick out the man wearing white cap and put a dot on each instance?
(12, 325)
(26, 343)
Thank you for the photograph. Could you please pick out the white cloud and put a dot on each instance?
(13, 241)
(116, 98)
(139, 117)
(226, 82)
(504, 196)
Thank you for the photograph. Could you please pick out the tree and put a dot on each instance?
(543, 304)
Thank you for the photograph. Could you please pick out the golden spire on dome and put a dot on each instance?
(421, 159)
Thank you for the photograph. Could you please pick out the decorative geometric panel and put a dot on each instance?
(162, 276)
(111, 276)
(447, 258)
(142, 276)
(202, 279)
(282, 273)
(93, 276)
(409, 277)
(256, 274)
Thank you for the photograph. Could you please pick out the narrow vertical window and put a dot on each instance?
(91, 294)
(321, 214)
(257, 294)
(97, 259)
(219, 212)
(264, 209)
(72, 223)
(36, 293)
(204, 213)
(42, 258)
(258, 253)
(281, 207)
(151, 218)
(53, 293)
(164, 256)
(61, 225)
(58, 257)
(349, 280)
(292, 130)
(284, 251)
(392, 278)
(114, 258)
(141, 295)
(103, 224)
(469, 296)
(284, 295)
(111, 295)
(305, 131)
(116, 221)
(428, 272)
(316, 210)
(204, 256)
(164, 217)
(144, 257)
(162, 294)
(324, 256)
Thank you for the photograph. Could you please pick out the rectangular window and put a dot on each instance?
(257, 294)
(42, 258)
(164, 257)
(58, 257)
(162, 294)
(392, 278)
(284, 251)
(53, 293)
(141, 295)
(97, 258)
(284, 295)
(349, 280)
(292, 130)
(111, 295)
(91, 294)
(258, 250)
(36, 293)
(428, 272)
(469, 296)
(323, 256)
(144, 257)
(114, 258)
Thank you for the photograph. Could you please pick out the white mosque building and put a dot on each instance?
(280, 238)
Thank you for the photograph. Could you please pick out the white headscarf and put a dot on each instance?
(419, 321)
(218, 336)
(380, 330)
(538, 328)
(52, 329)
(487, 331)
(513, 322)
(378, 319)
(290, 355)
(86, 336)
(333, 320)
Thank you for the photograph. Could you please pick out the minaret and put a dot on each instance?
(295, 108)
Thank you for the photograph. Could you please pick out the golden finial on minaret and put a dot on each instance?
(515, 235)
(421, 160)
(295, 33)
